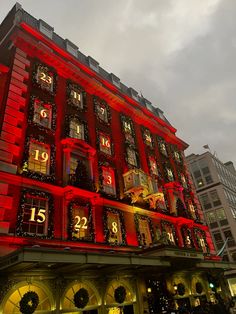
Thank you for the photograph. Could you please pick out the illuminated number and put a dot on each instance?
(127, 126)
(148, 138)
(114, 227)
(36, 157)
(102, 110)
(109, 180)
(44, 155)
(78, 129)
(202, 243)
(75, 95)
(170, 235)
(46, 78)
(41, 215)
(81, 223)
(43, 113)
(105, 142)
(188, 241)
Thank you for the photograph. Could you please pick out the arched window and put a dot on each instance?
(11, 303)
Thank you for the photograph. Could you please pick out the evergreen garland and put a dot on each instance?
(29, 302)
(120, 294)
(81, 298)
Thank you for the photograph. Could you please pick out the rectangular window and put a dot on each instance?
(153, 166)
(114, 227)
(148, 138)
(76, 98)
(44, 78)
(131, 157)
(108, 182)
(80, 218)
(162, 147)
(39, 157)
(215, 198)
(128, 130)
(101, 111)
(42, 113)
(105, 144)
(35, 215)
(77, 129)
(144, 230)
(205, 201)
(220, 214)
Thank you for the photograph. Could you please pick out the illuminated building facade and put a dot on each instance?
(97, 212)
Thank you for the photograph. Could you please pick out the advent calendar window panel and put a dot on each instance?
(105, 144)
(80, 221)
(42, 113)
(153, 166)
(76, 129)
(102, 110)
(108, 182)
(44, 78)
(35, 216)
(39, 157)
(114, 227)
(131, 157)
(144, 231)
(76, 98)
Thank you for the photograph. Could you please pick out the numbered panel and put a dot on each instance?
(34, 214)
(153, 165)
(42, 113)
(44, 78)
(114, 227)
(145, 234)
(80, 222)
(75, 96)
(108, 180)
(131, 157)
(39, 157)
(147, 137)
(168, 233)
(76, 129)
(128, 130)
(102, 110)
(105, 144)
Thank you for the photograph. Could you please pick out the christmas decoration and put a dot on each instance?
(102, 111)
(26, 193)
(198, 287)
(76, 96)
(122, 226)
(29, 302)
(71, 230)
(120, 294)
(76, 118)
(44, 77)
(181, 289)
(151, 229)
(81, 298)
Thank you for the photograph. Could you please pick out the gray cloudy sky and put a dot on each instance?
(179, 53)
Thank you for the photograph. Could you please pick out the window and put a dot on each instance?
(169, 173)
(75, 96)
(215, 198)
(220, 214)
(208, 179)
(153, 166)
(201, 241)
(108, 181)
(44, 78)
(162, 147)
(218, 240)
(114, 227)
(131, 157)
(168, 233)
(39, 157)
(76, 129)
(127, 126)
(147, 138)
(144, 231)
(184, 181)
(177, 156)
(42, 113)
(101, 111)
(211, 217)
(35, 215)
(105, 144)
(205, 201)
(228, 234)
(80, 217)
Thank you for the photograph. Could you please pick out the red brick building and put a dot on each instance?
(97, 212)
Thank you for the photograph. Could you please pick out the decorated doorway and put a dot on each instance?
(119, 298)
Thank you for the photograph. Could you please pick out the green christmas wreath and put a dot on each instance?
(120, 294)
(29, 302)
(81, 298)
(199, 287)
(181, 289)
